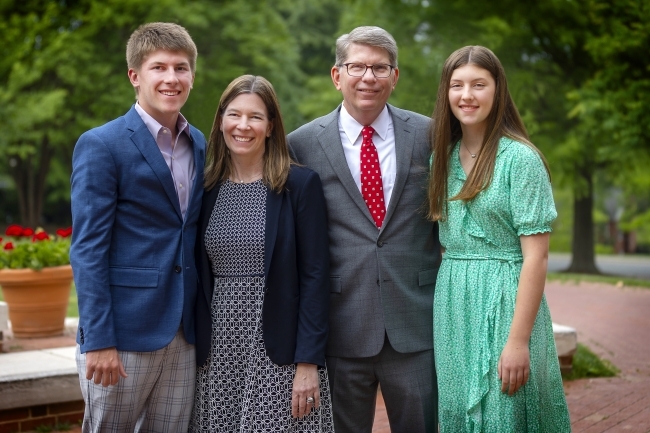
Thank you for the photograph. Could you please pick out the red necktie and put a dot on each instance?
(372, 187)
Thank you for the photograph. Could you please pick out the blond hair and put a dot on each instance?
(151, 37)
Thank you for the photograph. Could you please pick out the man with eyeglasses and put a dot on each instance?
(373, 160)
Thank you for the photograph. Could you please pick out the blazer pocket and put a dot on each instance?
(133, 277)
(335, 284)
(427, 277)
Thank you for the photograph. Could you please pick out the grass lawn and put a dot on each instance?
(587, 364)
(616, 281)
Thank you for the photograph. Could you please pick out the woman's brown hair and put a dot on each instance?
(445, 132)
(276, 153)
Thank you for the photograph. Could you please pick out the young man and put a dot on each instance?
(137, 184)
(384, 253)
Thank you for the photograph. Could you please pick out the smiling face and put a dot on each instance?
(163, 83)
(471, 96)
(364, 97)
(246, 126)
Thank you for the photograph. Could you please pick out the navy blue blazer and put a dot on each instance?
(132, 253)
(296, 270)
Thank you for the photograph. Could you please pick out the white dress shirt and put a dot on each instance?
(384, 141)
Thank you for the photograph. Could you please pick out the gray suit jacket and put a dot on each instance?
(382, 281)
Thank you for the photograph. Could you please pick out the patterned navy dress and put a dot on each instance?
(240, 389)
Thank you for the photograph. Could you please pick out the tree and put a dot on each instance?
(575, 69)
(65, 73)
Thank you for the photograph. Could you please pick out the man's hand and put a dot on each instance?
(105, 365)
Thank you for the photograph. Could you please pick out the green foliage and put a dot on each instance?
(58, 427)
(73, 306)
(35, 254)
(578, 71)
(587, 364)
(561, 235)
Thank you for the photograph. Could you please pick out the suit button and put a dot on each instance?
(177, 269)
(380, 244)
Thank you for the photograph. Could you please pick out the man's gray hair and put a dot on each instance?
(366, 35)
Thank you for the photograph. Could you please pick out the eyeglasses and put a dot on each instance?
(379, 70)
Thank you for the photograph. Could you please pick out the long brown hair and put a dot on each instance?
(445, 131)
(276, 153)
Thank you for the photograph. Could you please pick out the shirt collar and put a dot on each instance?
(352, 128)
(154, 127)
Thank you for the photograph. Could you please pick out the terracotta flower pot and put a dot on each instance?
(37, 300)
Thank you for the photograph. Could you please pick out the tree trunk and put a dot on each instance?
(583, 257)
(30, 175)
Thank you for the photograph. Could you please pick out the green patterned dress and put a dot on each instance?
(475, 301)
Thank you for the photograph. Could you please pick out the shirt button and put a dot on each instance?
(180, 185)
(177, 269)
(164, 131)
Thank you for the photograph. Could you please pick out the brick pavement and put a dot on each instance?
(614, 322)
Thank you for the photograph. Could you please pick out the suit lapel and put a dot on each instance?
(144, 141)
(273, 207)
(404, 143)
(330, 140)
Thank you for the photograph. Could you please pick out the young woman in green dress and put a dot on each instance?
(490, 192)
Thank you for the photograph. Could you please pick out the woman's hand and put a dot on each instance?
(514, 366)
(305, 385)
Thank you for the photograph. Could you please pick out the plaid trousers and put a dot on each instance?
(157, 396)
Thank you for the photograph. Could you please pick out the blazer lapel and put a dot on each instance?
(273, 207)
(143, 140)
(330, 140)
(404, 142)
(199, 163)
(209, 199)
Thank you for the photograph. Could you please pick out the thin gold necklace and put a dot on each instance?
(467, 148)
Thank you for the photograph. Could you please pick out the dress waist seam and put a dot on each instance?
(452, 256)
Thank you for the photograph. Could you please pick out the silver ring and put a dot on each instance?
(310, 400)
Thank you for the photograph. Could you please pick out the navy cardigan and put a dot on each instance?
(296, 270)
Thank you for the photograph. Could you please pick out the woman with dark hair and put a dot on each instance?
(263, 265)
(490, 190)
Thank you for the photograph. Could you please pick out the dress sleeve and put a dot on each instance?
(531, 196)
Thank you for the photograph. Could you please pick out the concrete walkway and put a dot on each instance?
(631, 265)
(615, 324)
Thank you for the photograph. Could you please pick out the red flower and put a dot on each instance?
(9, 246)
(28, 232)
(14, 230)
(40, 236)
(64, 233)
